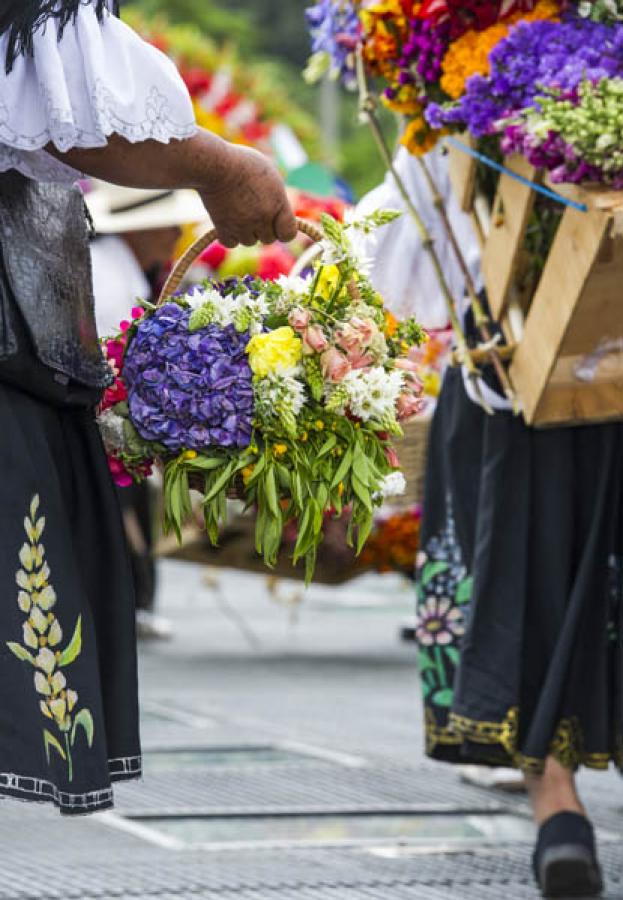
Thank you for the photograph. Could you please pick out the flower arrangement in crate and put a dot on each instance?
(286, 393)
(543, 77)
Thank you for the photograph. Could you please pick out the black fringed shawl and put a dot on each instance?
(21, 18)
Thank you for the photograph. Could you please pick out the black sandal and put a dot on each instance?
(565, 859)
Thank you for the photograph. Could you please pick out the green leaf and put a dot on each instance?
(51, 743)
(74, 648)
(327, 447)
(270, 488)
(465, 591)
(444, 698)
(21, 653)
(431, 570)
(84, 720)
(205, 463)
(424, 661)
(221, 483)
(363, 533)
(343, 469)
(362, 493)
(453, 655)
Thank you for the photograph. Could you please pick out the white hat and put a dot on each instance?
(117, 210)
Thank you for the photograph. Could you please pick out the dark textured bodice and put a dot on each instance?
(47, 267)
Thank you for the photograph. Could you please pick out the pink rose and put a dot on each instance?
(314, 340)
(359, 360)
(407, 406)
(413, 371)
(357, 334)
(392, 457)
(299, 319)
(367, 330)
(335, 366)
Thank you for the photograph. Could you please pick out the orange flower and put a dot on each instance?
(469, 55)
(419, 137)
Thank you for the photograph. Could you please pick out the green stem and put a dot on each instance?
(368, 111)
(441, 669)
(480, 316)
(70, 761)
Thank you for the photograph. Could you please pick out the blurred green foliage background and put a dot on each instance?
(275, 31)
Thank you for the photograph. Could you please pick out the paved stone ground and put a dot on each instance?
(284, 760)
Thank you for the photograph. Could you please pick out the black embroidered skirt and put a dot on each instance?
(68, 682)
(520, 590)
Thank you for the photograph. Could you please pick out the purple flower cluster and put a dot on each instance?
(552, 153)
(535, 57)
(335, 29)
(189, 390)
(425, 48)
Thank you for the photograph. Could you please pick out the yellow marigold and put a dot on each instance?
(469, 55)
(391, 324)
(280, 450)
(247, 474)
(276, 351)
(419, 138)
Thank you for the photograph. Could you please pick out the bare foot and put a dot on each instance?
(553, 792)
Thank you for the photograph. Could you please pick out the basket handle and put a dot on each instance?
(184, 263)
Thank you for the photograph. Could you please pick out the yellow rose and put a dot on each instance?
(276, 351)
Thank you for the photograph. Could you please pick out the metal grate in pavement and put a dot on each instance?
(309, 787)
(39, 869)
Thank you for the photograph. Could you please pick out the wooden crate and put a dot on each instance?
(568, 363)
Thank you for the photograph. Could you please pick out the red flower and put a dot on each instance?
(275, 261)
(471, 14)
(214, 255)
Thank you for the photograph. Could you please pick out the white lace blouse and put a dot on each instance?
(99, 79)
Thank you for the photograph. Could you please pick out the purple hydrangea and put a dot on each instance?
(535, 57)
(335, 29)
(189, 390)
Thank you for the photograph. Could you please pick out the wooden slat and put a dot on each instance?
(563, 284)
(511, 211)
(463, 168)
(580, 404)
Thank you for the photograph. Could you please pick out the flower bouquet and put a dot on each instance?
(286, 394)
(542, 77)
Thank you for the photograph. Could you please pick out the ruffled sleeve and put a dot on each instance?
(100, 78)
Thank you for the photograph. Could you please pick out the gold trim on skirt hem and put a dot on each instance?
(566, 746)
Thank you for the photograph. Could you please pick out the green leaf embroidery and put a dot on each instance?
(444, 698)
(431, 570)
(50, 742)
(465, 590)
(74, 648)
(424, 661)
(84, 719)
(21, 653)
(453, 655)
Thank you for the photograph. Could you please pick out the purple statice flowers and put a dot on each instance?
(189, 390)
(535, 57)
(335, 30)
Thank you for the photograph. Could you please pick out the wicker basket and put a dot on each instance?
(413, 453)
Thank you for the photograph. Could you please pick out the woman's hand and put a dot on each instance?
(250, 204)
(241, 189)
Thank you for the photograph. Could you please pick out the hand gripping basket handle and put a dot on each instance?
(183, 264)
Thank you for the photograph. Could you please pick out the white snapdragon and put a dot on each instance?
(372, 393)
(393, 485)
(294, 291)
